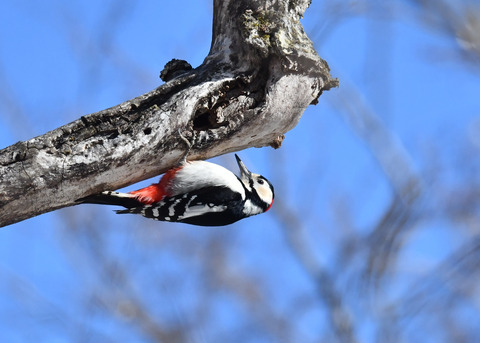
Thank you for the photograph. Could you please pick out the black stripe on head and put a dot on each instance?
(251, 183)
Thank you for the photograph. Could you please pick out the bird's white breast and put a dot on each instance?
(199, 174)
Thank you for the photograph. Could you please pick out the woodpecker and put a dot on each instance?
(198, 193)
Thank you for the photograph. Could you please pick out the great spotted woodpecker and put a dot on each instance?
(199, 193)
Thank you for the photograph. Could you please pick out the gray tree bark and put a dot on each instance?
(258, 78)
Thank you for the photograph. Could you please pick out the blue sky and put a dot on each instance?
(60, 60)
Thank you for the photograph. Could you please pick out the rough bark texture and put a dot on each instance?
(261, 73)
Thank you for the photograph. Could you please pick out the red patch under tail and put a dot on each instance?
(156, 192)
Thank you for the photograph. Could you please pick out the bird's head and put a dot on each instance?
(260, 190)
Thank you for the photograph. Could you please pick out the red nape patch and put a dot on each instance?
(157, 191)
(269, 206)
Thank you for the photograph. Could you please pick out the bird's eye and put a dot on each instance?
(260, 182)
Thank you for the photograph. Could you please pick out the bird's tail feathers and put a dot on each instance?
(112, 198)
(137, 210)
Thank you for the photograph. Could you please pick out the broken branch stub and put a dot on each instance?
(261, 73)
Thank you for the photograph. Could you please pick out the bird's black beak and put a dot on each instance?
(245, 173)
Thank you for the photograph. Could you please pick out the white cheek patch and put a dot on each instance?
(265, 193)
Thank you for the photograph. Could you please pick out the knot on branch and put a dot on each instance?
(13, 154)
(174, 68)
(214, 111)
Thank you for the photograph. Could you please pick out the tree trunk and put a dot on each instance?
(259, 76)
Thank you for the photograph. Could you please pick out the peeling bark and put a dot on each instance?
(258, 78)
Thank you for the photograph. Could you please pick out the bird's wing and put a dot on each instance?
(208, 201)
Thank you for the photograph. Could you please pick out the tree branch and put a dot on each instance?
(260, 75)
